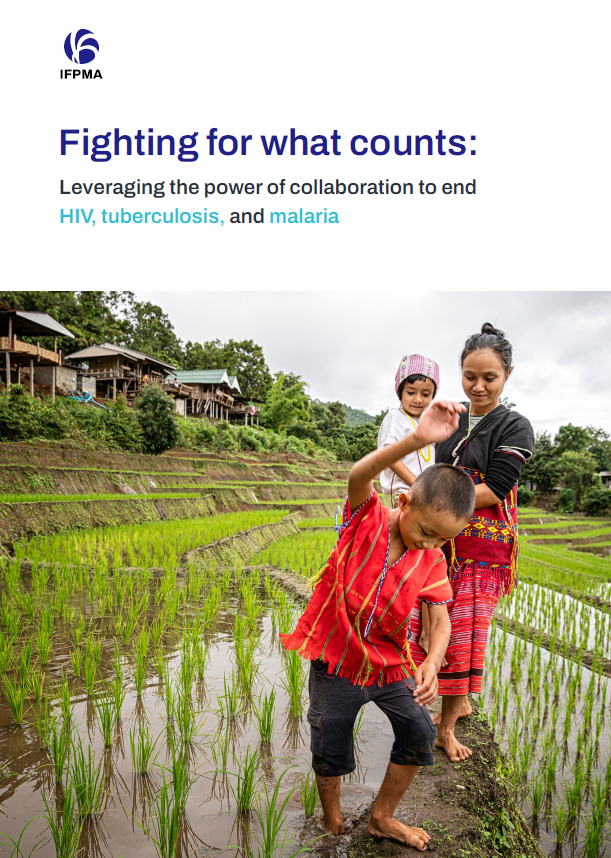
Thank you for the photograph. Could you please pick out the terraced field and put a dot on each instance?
(147, 706)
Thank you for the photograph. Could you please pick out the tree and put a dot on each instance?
(243, 358)
(543, 469)
(337, 417)
(578, 470)
(150, 330)
(573, 438)
(155, 411)
(285, 403)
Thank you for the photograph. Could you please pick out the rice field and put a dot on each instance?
(147, 544)
(304, 553)
(156, 716)
(186, 492)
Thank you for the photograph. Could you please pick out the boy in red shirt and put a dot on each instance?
(355, 629)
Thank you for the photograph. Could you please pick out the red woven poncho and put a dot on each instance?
(334, 623)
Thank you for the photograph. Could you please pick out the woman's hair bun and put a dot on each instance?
(487, 328)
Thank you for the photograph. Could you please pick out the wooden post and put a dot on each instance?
(10, 331)
(32, 377)
(8, 368)
(114, 388)
(55, 344)
(53, 383)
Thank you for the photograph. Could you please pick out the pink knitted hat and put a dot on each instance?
(417, 365)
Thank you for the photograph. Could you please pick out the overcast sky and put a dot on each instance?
(347, 346)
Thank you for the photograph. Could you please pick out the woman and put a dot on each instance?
(491, 444)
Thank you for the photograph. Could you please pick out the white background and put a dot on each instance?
(529, 79)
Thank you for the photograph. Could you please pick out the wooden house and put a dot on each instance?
(43, 365)
(212, 392)
(117, 369)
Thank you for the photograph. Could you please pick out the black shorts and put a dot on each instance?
(334, 706)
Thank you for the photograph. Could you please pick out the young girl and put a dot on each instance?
(416, 384)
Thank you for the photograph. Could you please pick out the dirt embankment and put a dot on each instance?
(242, 546)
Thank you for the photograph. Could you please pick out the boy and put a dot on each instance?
(355, 629)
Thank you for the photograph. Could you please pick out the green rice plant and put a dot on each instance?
(309, 794)
(231, 699)
(40, 579)
(79, 630)
(359, 721)
(245, 657)
(87, 779)
(172, 604)
(118, 695)
(200, 654)
(245, 791)
(43, 721)
(44, 643)
(15, 697)
(90, 672)
(11, 618)
(160, 660)
(252, 605)
(64, 697)
(184, 717)
(211, 605)
(595, 834)
(140, 672)
(157, 628)
(25, 662)
(106, 713)
(560, 822)
(574, 790)
(536, 793)
(65, 825)
(141, 746)
(294, 681)
(76, 659)
(6, 654)
(36, 684)
(12, 576)
(275, 840)
(265, 715)
(240, 629)
(59, 745)
(221, 748)
(226, 581)
(165, 815)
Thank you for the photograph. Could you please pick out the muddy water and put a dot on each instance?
(212, 825)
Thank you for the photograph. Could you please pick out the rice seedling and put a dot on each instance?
(36, 684)
(43, 720)
(90, 672)
(275, 839)
(160, 660)
(245, 790)
(294, 681)
(165, 820)
(141, 746)
(536, 793)
(25, 662)
(65, 825)
(245, 657)
(64, 697)
(595, 836)
(211, 605)
(6, 654)
(309, 794)
(140, 672)
(87, 779)
(79, 630)
(16, 844)
(184, 717)
(200, 654)
(106, 714)
(560, 822)
(118, 695)
(15, 696)
(59, 745)
(231, 699)
(264, 711)
(221, 748)
(44, 643)
(76, 660)
(359, 721)
(157, 628)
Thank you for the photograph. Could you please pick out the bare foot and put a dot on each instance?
(423, 643)
(335, 827)
(388, 826)
(450, 744)
(465, 711)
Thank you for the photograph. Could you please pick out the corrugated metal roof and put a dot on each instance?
(41, 323)
(234, 383)
(139, 355)
(201, 376)
(96, 351)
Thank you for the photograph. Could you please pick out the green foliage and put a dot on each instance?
(525, 496)
(597, 501)
(578, 469)
(286, 402)
(155, 410)
(542, 470)
(350, 443)
(567, 499)
(244, 359)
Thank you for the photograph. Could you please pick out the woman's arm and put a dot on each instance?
(484, 496)
(439, 422)
(403, 472)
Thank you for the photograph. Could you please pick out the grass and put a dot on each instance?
(191, 492)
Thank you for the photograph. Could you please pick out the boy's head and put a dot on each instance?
(416, 383)
(437, 508)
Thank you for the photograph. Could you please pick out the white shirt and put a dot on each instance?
(396, 426)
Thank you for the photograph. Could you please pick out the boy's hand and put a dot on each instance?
(426, 683)
(439, 422)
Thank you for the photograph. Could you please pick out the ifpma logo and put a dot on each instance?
(82, 48)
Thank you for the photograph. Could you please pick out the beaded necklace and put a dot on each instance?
(428, 446)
